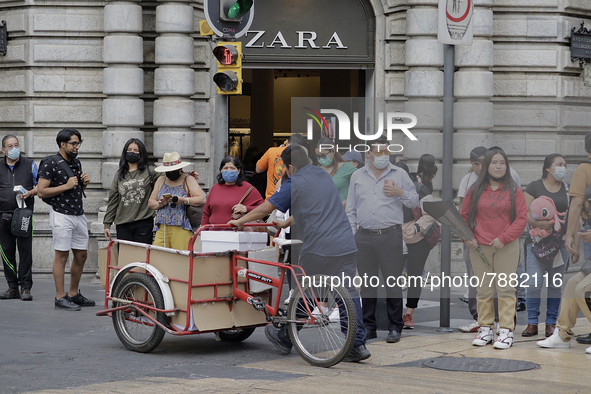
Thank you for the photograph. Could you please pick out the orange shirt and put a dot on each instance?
(271, 161)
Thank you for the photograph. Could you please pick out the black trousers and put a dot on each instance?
(140, 231)
(417, 257)
(381, 253)
(23, 276)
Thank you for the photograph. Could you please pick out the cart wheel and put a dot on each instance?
(134, 330)
(236, 335)
(330, 338)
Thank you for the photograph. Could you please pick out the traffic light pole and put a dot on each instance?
(220, 123)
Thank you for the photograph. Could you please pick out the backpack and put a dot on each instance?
(62, 165)
(433, 233)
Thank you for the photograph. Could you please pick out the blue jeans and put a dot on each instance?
(535, 267)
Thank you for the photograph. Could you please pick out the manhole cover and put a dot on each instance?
(473, 364)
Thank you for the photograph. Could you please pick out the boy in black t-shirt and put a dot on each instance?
(61, 184)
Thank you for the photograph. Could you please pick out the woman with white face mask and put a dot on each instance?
(550, 185)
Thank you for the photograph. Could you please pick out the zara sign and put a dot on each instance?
(311, 32)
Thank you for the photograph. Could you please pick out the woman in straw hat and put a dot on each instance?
(170, 196)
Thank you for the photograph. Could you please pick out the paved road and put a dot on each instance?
(53, 350)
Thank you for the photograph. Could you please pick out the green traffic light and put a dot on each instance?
(239, 8)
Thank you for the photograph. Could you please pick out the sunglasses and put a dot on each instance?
(380, 153)
(175, 199)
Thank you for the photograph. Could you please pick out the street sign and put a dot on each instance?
(227, 18)
(455, 22)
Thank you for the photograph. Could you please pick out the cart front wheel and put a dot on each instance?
(136, 331)
(324, 335)
(237, 334)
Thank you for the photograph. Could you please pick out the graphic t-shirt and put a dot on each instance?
(272, 162)
(70, 201)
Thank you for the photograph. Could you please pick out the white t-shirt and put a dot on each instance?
(471, 177)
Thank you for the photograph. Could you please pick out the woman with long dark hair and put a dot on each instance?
(554, 261)
(128, 198)
(496, 212)
(427, 170)
(225, 197)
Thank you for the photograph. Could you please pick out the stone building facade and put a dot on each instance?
(121, 69)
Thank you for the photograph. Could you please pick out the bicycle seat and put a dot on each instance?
(286, 243)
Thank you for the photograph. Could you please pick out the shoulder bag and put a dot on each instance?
(195, 214)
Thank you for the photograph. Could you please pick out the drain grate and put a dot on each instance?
(473, 364)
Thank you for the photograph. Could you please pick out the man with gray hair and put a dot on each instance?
(16, 170)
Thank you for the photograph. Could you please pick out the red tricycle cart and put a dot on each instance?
(152, 290)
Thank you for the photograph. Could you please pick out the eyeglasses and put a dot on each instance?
(380, 153)
(75, 143)
(175, 199)
(323, 155)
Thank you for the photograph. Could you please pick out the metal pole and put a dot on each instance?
(447, 192)
(220, 123)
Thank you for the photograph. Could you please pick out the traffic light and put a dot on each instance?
(228, 77)
(234, 10)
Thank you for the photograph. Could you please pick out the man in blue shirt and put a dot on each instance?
(374, 208)
(328, 243)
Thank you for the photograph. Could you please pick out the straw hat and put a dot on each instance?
(170, 162)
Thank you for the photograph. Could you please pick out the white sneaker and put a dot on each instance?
(286, 302)
(472, 327)
(588, 351)
(554, 341)
(485, 336)
(504, 340)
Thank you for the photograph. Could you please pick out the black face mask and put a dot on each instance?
(496, 179)
(173, 175)
(132, 157)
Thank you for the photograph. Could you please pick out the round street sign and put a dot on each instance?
(226, 29)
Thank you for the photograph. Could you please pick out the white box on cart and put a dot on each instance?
(241, 241)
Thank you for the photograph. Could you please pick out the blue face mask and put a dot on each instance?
(14, 153)
(229, 176)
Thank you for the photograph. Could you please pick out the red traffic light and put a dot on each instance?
(226, 54)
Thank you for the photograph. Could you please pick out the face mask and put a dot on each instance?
(229, 176)
(132, 157)
(381, 162)
(173, 175)
(325, 161)
(14, 153)
(495, 179)
(559, 173)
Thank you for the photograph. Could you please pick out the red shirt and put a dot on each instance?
(492, 215)
(221, 199)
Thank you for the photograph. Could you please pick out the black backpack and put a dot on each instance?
(62, 165)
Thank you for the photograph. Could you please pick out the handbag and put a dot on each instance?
(22, 222)
(238, 215)
(195, 214)
(546, 249)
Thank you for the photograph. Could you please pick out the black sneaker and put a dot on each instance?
(26, 295)
(65, 303)
(357, 354)
(10, 294)
(81, 300)
(281, 344)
